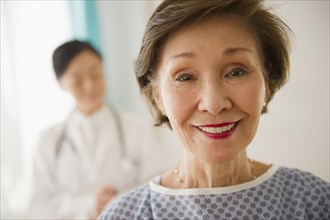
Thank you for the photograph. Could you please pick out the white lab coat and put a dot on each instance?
(67, 177)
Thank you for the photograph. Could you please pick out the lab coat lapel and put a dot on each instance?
(83, 156)
(108, 144)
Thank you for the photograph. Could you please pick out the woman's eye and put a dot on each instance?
(96, 75)
(184, 77)
(76, 82)
(236, 73)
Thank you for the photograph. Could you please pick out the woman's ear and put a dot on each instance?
(63, 83)
(158, 100)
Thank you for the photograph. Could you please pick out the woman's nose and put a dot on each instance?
(214, 98)
(89, 85)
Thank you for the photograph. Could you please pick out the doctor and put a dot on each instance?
(83, 163)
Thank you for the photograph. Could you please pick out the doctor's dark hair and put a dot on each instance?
(271, 34)
(66, 52)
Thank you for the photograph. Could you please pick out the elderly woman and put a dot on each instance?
(209, 70)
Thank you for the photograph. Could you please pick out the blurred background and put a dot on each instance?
(295, 132)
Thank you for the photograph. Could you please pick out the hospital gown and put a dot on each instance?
(280, 193)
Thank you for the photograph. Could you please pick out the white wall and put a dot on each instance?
(295, 132)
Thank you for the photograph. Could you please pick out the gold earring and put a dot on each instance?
(264, 108)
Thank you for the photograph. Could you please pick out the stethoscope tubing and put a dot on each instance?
(63, 135)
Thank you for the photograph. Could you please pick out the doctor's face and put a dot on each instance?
(211, 87)
(84, 79)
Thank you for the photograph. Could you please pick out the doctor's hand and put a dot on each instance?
(103, 196)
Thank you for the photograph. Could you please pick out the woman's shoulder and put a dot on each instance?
(132, 205)
(53, 129)
(126, 115)
(304, 182)
(50, 134)
(301, 177)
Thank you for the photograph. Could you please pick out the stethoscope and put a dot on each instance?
(130, 166)
(64, 138)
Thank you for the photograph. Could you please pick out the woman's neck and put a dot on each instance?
(199, 174)
(89, 110)
(194, 173)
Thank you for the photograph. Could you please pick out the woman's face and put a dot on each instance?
(84, 79)
(211, 87)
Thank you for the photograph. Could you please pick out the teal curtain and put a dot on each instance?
(84, 21)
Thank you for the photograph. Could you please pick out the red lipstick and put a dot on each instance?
(218, 131)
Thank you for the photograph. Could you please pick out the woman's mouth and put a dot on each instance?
(218, 131)
(91, 97)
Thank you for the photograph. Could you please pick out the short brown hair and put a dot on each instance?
(271, 33)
